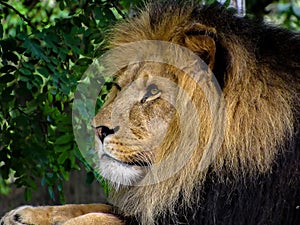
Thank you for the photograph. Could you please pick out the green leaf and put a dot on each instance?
(59, 187)
(64, 139)
(65, 174)
(29, 86)
(38, 81)
(30, 64)
(62, 197)
(50, 97)
(32, 46)
(62, 5)
(25, 71)
(24, 78)
(62, 158)
(51, 192)
(98, 13)
(97, 37)
(84, 62)
(27, 194)
(43, 71)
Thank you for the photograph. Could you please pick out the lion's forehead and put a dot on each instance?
(147, 73)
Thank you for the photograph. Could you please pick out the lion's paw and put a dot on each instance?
(57, 215)
(21, 216)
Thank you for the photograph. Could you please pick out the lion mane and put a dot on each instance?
(255, 176)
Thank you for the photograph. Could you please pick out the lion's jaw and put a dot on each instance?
(116, 171)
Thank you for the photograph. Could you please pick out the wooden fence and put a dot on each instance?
(76, 191)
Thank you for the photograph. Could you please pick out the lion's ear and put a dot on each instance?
(200, 39)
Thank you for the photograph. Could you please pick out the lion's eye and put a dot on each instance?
(152, 93)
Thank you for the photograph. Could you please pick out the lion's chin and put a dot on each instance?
(119, 173)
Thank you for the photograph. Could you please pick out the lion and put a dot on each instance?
(200, 127)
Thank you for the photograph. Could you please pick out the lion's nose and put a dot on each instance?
(103, 131)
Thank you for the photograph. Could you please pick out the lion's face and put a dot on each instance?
(134, 122)
(150, 114)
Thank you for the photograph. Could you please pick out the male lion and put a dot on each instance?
(179, 147)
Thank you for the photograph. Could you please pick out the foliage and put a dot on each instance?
(43, 55)
(45, 48)
(286, 13)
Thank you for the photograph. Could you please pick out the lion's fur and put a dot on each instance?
(260, 84)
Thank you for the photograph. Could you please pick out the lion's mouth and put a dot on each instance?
(139, 163)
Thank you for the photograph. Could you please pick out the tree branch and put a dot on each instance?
(17, 12)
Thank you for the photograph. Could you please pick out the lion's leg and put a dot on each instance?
(50, 215)
(95, 218)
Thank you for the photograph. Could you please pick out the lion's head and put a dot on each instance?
(165, 123)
